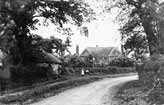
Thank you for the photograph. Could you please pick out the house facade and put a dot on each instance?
(101, 55)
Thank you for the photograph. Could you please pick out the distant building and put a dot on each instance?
(101, 55)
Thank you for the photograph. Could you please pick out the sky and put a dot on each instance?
(161, 1)
(103, 32)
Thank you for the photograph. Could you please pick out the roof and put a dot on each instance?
(51, 58)
(101, 51)
(45, 57)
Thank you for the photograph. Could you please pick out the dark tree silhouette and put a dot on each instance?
(18, 17)
(138, 17)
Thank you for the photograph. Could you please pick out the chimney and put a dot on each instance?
(77, 50)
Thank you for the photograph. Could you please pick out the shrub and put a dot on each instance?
(29, 74)
(74, 61)
(151, 75)
(107, 70)
(122, 62)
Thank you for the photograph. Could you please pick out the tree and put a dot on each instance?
(122, 62)
(18, 17)
(137, 45)
(140, 19)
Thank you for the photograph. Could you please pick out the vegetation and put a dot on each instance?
(74, 61)
(22, 50)
(137, 46)
(139, 23)
(47, 90)
(142, 33)
(122, 62)
(44, 91)
(131, 93)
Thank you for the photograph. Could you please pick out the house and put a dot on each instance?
(52, 60)
(101, 55)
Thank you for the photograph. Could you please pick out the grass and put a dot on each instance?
(38, 93)
(131, 93)
(43, 91)
(22, 88)
(135, 93)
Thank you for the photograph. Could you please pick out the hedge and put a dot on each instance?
(107, 70)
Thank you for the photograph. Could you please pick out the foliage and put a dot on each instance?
(122, 62)
(30, 75)
(131, 93)
(151, 76)
(23, 50)
(75, 61)
(136, 44)
(145, 18)
(18, 17)
(110, 70)
(89, 61)
(50, 45)
(137, 18)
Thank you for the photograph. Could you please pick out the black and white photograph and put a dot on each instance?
(81, 52)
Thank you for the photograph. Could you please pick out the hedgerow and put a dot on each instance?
(151, 75)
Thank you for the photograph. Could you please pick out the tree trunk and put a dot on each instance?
(152, 39)
(161, 37)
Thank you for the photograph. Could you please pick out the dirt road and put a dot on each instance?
(96, 93)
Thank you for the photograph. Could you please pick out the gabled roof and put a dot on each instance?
(101, 51)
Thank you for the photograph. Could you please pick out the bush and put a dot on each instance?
(150, 69)
(107, 70)
(151, 75)
(122, 62)
(29, 74)
(74, 61)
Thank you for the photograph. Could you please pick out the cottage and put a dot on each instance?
(101, 55)
(51, 59)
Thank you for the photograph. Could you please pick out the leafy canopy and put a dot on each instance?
(18, 17)
(139, 23)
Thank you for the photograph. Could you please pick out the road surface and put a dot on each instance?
(96, 93)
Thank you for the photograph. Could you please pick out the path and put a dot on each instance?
(96, 93)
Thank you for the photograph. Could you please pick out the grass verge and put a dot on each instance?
(43, 91)
(131, 93)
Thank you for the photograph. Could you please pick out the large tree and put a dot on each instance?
(18, 17)
(138, 16)
(137, 46)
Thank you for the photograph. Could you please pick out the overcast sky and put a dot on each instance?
(160, 1)
(102, 32)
